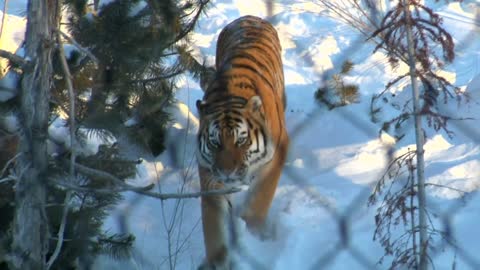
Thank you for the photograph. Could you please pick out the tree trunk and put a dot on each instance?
(419, 136)
(30, 228)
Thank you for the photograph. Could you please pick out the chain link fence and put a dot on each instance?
(178, 234)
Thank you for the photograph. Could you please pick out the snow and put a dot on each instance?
(8, 86)
(464, 177)
(338, 161)
(11, 37)
(335, 156)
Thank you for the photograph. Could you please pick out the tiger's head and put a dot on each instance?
(233, 141)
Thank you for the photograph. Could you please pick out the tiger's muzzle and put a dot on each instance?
(232, 178)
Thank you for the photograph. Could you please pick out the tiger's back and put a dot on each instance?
(250, 44)
(248, 62)
(242, 136)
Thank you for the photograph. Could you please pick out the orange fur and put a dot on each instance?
(248, 67)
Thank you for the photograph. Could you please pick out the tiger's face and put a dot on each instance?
(233, 141)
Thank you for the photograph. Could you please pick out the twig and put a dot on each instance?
(109, 177)
(4, 16)
(143, 191)
(8, 163)
(63, 224)
(8, 178)
(71, 94)
(15, 177)
(446, 187)
(82, 49)
(158, 78)
(17, 60)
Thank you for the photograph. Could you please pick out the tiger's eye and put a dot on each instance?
(241, 141)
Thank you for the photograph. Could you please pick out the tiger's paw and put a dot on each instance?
(264, 230)
(226, 265)
(267, 231)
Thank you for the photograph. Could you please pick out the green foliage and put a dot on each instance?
(336, 92)
(139, 53)
(118, 246)
(84, 237)
(199, 71)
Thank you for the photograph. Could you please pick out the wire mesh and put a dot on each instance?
(343, 217)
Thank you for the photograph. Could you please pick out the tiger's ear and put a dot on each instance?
(254, 103)
(200, 105)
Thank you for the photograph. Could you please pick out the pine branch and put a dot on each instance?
(117, 246)
(192, 23)
(82, 49)
(154, 79)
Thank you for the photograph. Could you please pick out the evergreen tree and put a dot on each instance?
(123, 68)
(138, 46)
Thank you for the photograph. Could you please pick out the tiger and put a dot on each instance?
(242, 138)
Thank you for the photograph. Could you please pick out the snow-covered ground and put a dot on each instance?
(335, 156)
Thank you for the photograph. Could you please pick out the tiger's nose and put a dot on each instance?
(226, 175)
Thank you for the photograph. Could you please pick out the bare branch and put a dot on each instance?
(144, 191)
(63, 224)
(8, 163)
(121, 186)
(109, 177)
(446, 187)
(4, 17)
(7, 179)
(17, 60)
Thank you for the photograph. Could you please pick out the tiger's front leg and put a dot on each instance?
(216, 211)
(260, 195)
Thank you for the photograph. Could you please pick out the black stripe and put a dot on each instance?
(223, 102)
(250, 125)
(248, 67)
(238, 120)
(236, 112)
(264, 138)
(268, 54)
(265, 65)
(249, 43)
(243, 85)
(203, 150)
(256, 139)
